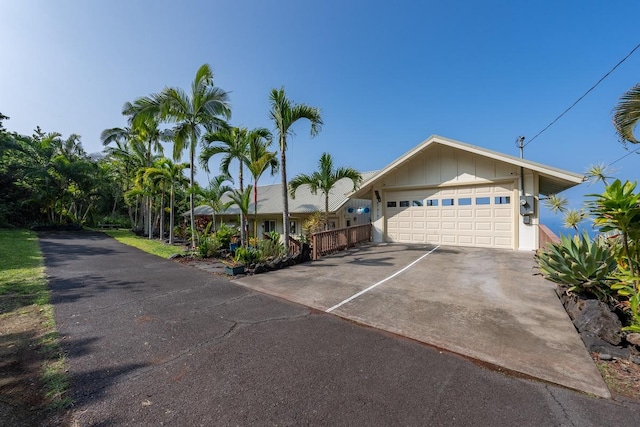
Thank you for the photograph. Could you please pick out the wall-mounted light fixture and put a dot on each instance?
(378, 196)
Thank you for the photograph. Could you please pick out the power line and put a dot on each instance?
(585, 94)
(628, 154)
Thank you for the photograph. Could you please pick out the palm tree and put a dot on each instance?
(284, 114)
(626, 115)
(234, 145)
(260, 159)
(127, 157)
(171, 174)
(324, 179)
(242, 199)
(205, 107)
(146, 132)
(213, 194)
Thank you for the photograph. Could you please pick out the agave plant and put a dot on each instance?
(584, 264)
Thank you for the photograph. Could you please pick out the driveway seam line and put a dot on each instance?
(364, 291)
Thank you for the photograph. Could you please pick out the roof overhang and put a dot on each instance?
(552, 180)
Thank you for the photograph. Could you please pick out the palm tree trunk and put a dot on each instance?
(285, 197)
(255, 209)
(171, 217)
(326, 211)
(162, 214)
(192, 208)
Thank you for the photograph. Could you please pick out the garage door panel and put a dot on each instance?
(478, 220)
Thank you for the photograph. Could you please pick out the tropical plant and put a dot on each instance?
(313, 224)
(234, 144)
(626, 115)
(172, 175)
(324, 179)
(246, 256)
(242, 199)
(205, 108)
(260, 159)
(271, 249)
(224, 234)
(585, 265)
(213, 194)
(599, 173)
(617, 209)
(284, 114)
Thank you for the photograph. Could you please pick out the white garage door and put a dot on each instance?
(465, 216)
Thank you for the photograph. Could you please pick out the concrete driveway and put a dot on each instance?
(481, 303)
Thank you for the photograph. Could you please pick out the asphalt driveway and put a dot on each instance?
(153, 342)
(481, 303)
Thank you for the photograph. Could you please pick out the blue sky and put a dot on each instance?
(386, 75)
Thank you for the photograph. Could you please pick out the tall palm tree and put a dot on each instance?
(172, 175)
(260, 159)
(205, 108)
(324, 179)
(234, 144)
(284, 114)
(626, 115)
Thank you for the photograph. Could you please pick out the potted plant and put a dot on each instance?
(233, 268)
(234, 244)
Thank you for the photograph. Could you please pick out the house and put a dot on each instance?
(452, 193)
(343, 210)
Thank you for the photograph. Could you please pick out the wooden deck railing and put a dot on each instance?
(294, 245)
(546, 236)
(326, 242)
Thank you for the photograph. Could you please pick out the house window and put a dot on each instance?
(432, 202)
(404, 203)
(503, 200)
(447, 202)
(293, 227)
(391, 204)
(269, 226)
(483, 200)
(416, 203)
(465, 201)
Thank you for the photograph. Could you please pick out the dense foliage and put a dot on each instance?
(608, 266)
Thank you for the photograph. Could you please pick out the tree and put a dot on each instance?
(205, 108)
(626, 115)
(213, 194)
(260, 159)
(169, 174)
(324, 179)
(242, 199)
(284, 114)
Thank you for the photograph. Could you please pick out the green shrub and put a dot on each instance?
(271, 249)
(208, 247)
(247, 256)
(224, 235)
(584, 264)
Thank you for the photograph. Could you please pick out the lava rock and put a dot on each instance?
(595, 317)
(596, 345)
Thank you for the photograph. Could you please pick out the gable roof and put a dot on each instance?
(552, 180)
(270, 199)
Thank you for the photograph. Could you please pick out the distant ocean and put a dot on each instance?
(554, 222)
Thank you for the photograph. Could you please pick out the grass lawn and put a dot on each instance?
(34, 378)
(151, 246)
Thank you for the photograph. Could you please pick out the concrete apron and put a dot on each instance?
(481, 303)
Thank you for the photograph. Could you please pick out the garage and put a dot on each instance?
(447, 192)
(466, 216)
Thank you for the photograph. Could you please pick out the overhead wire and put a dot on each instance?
(585, 94)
